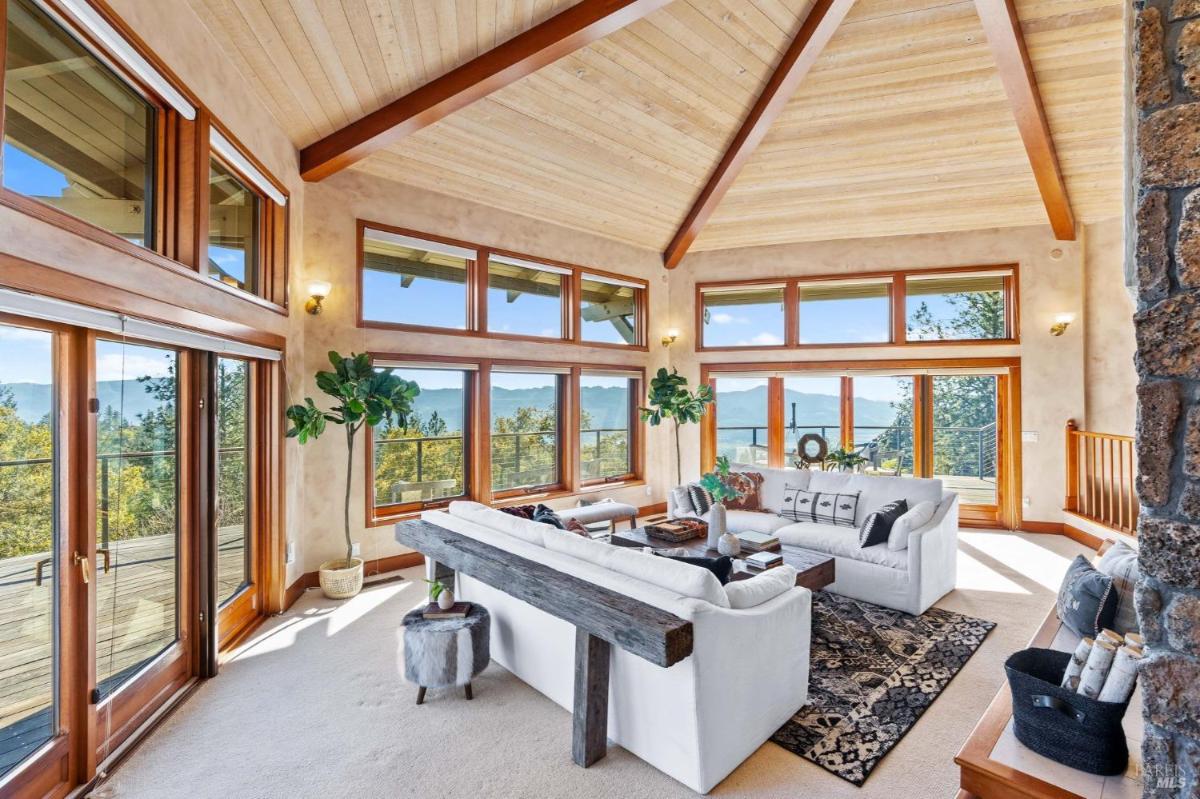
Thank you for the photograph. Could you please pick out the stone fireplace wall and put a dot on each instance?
(1166, 57)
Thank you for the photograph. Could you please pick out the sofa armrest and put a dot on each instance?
(933, 555)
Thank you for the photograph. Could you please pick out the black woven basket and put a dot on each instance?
(1064, 726)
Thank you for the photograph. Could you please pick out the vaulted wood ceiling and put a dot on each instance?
(902, 126)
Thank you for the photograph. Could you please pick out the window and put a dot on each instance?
(524, 298)
(76, 137)
(845, 312)
(234, 225)
(742, 421)
(883, 423)
(609, 310)
(425, 460)
(525, 430)
(749, 316)
(606, 427)
(812, 405)
(971, 305)
(233, 512)
(414, 282)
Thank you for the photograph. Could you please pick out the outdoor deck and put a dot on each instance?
(133, 625)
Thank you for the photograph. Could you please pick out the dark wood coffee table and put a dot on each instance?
(814, 570)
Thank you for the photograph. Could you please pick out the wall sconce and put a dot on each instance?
(669, 337)
(318, 290)
(1061, 322)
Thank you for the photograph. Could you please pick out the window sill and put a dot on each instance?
(384, 519)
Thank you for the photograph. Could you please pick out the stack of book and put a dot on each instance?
(675, 531)
(761, 561)
(458, 610)
(758, 542)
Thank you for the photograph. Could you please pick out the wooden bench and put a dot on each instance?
(602, 618)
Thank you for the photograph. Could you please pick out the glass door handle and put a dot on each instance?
(84, 568)
(39, 569)
(105, 553)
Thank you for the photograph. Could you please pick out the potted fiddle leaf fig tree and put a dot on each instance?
(363, 395)
(670, 399)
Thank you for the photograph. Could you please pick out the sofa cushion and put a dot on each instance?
(1087, 601)
(760, 588)
(749, 521)
(841, 542)
(721, 567)
(831, 482)
(545, 515)
(748, 485)
(701, 499)
(774, 482)
(1120, 563)
(821, 507)
(878, 524)
(917, 517)
(879, 491)
(682, 500)
(524, 529)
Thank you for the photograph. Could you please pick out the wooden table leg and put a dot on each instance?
(589, 740)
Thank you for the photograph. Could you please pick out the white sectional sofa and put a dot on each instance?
(910, 579)
(697, 720)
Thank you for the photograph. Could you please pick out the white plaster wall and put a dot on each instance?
(1111, 379)
(1050, 283)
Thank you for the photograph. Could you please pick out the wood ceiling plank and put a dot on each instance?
(366, 27)
(818, 28)
(1003, 28)
(564, 33)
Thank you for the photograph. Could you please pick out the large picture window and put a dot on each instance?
(956, 307)
(525, 426)
(76, 136)
(414, 282)
(845, 312)
(524, 298)
(609, 310)
(742, 431)
(749, 316)
(425, 460)
(606, 426)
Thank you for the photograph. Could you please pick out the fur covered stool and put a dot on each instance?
(439, 653)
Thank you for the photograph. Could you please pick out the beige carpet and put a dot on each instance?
(314, 706)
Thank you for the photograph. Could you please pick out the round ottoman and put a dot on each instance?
(439, 653)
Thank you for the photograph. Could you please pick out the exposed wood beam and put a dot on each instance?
(1003, 29)
(818, 28)
(562, 34)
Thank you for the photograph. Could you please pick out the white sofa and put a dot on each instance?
(910, 579)
(697, 720)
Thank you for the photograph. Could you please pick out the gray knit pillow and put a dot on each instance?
(1120, 563)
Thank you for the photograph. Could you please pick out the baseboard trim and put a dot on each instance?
(370, 569)
(1052, 528)
(650, 510)
(1082, 536)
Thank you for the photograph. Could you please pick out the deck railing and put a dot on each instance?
(1101, 468)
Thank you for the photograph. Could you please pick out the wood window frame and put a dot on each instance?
(180, 194)
(1008, 510)
(897, 307)
(477, 289)
(636, 378)
(478, 466)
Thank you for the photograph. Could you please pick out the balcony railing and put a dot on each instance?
(1101, 471)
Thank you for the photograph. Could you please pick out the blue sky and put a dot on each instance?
(28, 175)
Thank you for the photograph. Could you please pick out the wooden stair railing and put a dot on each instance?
(1100, 478)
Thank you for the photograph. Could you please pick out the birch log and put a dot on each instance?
(1070, 679)
(1118, 687)
(1096, 669)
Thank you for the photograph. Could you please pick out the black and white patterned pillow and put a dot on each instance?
(702, 500)
(819, 507)
(878, 524)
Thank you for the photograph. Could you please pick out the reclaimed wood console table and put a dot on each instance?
(602, 619)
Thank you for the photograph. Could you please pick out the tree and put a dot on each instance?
(670, 399)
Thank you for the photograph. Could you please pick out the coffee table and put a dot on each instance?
(814, 570)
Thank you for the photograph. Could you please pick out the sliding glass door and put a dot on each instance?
(965, 444)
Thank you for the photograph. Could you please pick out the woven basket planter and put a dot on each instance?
(340, 581)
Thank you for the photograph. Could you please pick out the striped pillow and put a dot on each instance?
(702, 501)
(819, 507)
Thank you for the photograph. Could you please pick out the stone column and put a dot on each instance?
(1166, 59)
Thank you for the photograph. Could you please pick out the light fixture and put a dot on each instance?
(1061, 322)
(669, 337)
(318, 290)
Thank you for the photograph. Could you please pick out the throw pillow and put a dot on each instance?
(721, 567)
(1087, 602)
(917, 517)
(682, 500)
(1120, 563)
(878, 525)
(749, 485)
(520, 511)
(546, 516)
(575, 526)
(819, 507)
(701, 499)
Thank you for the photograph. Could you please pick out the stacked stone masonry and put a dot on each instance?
(1165, 49)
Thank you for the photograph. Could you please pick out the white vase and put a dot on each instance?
(716, 525)
(446, 599)
(729, 545)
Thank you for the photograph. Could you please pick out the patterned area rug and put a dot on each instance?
(874, 672)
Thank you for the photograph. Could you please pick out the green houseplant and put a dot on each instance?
(845, 460)
(722, 489)
(670, 399)
(364, 396)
